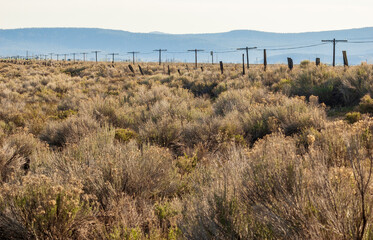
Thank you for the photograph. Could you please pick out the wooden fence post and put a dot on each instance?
(345, 60)
(265, 59)
(141, 70)
(221, 67)
(290, 63)
(317, 61)
(131, 68)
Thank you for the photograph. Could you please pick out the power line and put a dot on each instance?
(361, 41)
(290, 48)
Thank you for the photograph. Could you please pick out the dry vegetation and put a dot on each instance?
(92, 151)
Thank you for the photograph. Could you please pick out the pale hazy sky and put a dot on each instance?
(189, 16)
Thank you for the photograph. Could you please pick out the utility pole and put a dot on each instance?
(74, 56)
(160, 53)
(243, 63)
(212, 57)
(113, 54)
(57, 56)
(133, 56)
(334, 42)
(195, 54)
(84, 54)
(247, 53)
(95, 52)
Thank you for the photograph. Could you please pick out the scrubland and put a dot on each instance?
(93, 151)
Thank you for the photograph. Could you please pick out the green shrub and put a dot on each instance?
(304, 63)
(124, 135)
(353, 117)
(366, 104)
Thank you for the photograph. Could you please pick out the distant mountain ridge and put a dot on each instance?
(69, 40)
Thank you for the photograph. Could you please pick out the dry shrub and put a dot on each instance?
(203, 155)
(48, 209)
(266, 115)
(15, 156)
(338, 197)
(70, 130)
(125, 180)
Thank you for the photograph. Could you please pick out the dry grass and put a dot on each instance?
(93, 151)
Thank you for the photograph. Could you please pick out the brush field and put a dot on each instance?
(93, 151)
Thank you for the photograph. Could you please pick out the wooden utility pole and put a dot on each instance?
(113, 54)
(247, 53)
(243, 64)
(265, 59)
(84, 54)
(334, 42)
(95, 52)
(133, 56)
(195, 54)
(73, 56)
(160, 54)
(212, 57)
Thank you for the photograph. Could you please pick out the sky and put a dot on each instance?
(189, 16)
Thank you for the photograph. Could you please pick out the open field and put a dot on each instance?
(93, 151)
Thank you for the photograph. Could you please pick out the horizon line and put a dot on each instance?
(155, 32)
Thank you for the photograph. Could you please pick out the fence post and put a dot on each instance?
(290, 63)
(345, 60)
(317, 61)
(265, 59)
(221, 67)
(131, 68)
(141, 70)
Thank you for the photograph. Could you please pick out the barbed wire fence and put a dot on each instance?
(172, 55)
